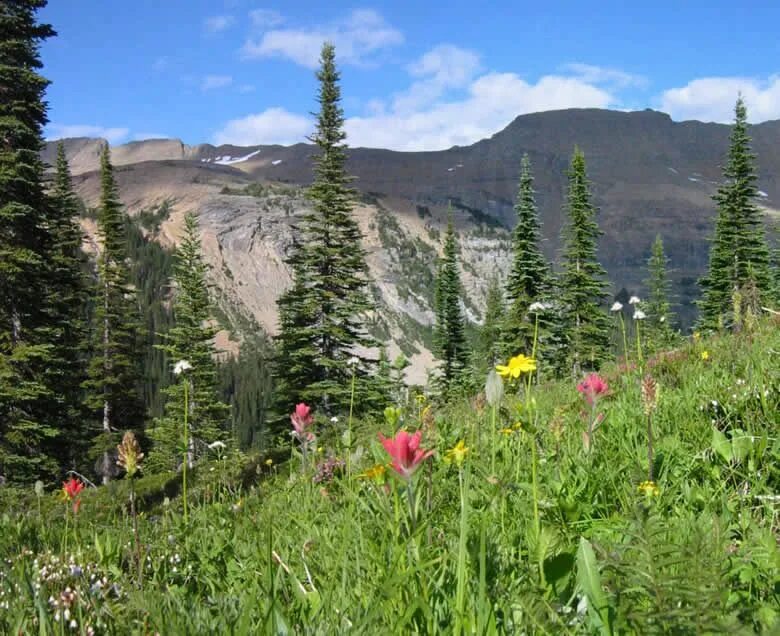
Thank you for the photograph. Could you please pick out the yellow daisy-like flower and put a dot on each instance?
(696, 336)
(705, 355)
(506, 431)
(456, 454)
(517, 364)
(375, 472)
(269, 462)
(649, 489)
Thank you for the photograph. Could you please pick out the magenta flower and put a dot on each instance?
(301, 419)
(593, 387)
(405, 451)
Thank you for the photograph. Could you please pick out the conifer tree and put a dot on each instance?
(660, 319)
(450, 324)
(70, 312)
(739, 254)
(113, 386)
(582, 280)
(29, 404)
(322, 316)
(191, 339)
(529, 278)
(488, 344)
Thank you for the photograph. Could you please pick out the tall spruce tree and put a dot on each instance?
(739, 254)
(582, 283)
(529, 278)
(71, 314)
(29, 404)
(191, 339)
(322, 316)
(452, 349)
(660, 319)
(114, 386)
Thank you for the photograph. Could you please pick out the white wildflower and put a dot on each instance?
(616, 307)
(537, 307)
(662, 319)
(634, 300)
(353, 361)
(334, 420)
(639, 315)
(181, 366)
(217, 445)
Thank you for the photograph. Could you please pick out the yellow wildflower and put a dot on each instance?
(705, 355)
(269, 462)
(456, 454)
(517, 364)
(375, 472)
(696, 336)
(649, 489)
(419, 398)
(507, 431)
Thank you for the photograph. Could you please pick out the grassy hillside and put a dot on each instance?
(529, 530)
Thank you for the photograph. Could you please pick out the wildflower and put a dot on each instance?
(649, 394)
(662, 319)
(538, 307)
(494, 388)
(456, 454)
(506, 431)
(269, 462)
(405, 451)
(649, 489)
(639, 314)
(705, 355)
(353, 361)
(696, 336)
(301, 419)
(634, 300)
(130, 454)
(516, 365)
(419, 398)
(616, 307)
(181, 366)
(376, 473)
(218, 445)
(334, 420)
(392, 415)
(39, 488)
(593, 387)
(71, 490)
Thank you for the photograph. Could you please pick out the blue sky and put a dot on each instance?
(415, 75)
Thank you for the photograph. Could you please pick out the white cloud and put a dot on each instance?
(602, 75)
(63, 131)
(272, 126)
(265, 18)
(357, 37)
(212, 82)
(218, 23)
(246, 88)
(713, 98)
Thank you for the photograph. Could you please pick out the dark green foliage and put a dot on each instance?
(28, 380)
(582, 280)
(530, 278)
(660, 319)
(322, 316)
(739, 255)
(190, 339)
(247, 386)
(114, 385)
(451, 347)
(487, 349)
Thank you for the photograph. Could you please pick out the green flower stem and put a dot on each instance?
(349, 426)
(625, 337)
(460, 595)
(186, 447)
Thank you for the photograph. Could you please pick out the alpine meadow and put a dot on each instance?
(526, 383)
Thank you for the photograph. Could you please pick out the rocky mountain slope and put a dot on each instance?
(649, 174)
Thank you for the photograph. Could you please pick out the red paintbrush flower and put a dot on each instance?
(71, 491)
(405, 451)
(301, 419)
(593, 387)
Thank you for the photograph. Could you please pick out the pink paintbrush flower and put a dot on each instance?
(593, 387)
(301, 419)
(404, 449)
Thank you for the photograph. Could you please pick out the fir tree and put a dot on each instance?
(488, 344)
(450, 325)
(71, 312)
(191, 339)
(660, 319)
(322, 316)
(529, 278)
(113, 386)
(582, 280)
(29, 404)
(739, 255)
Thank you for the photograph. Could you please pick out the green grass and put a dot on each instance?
(268, 550)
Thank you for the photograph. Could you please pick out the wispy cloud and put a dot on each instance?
(358, 37)
(64, 131)
(213, 82)
(266, 18)
(605, 76)
(218, 23)
(246, 88)
(272, 126)
(713, 98)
